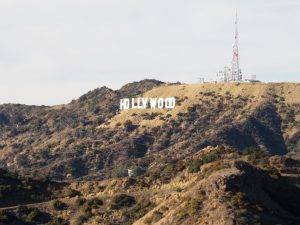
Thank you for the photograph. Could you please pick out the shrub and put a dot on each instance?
(22, 210)
(5, 188)
(250, 150)
(33, 215)
(58, 221)
(122, 200)
(129, 126)
(290, 116)
(178, 189)
(58, 205)
(238, 200)
(119, 172)
(147, 116)
(86, 214)
(193, 206)
(83, 218)
(157, 216)
(182, 214)
(99, 121)
(271, 170)
(137, 171)
(94, 203)
(3, 217)
(137, 211)
(209, 93)
(196, 165)
(80, 201)
(148, 220)
(94, 108)
(72, 193)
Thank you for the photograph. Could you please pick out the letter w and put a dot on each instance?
(153, 102)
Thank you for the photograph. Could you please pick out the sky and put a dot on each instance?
(53, 51)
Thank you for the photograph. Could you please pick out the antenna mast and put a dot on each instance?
(236, 74)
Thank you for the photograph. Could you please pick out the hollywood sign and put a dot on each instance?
(144, 103)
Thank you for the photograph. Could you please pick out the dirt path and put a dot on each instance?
(37, 204)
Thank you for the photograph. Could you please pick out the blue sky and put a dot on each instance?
(52, 51)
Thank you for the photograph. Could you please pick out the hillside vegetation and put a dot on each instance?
(227, 154)
(216, 185)
(90, 135)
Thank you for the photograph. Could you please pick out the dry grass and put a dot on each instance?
(189, 94)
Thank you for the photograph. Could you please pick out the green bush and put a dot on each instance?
(196, 164)
(194, 167)
(119, 172)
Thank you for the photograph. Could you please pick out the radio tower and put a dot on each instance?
(236, 74)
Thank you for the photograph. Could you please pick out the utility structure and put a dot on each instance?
(232, 73)
(236, 73)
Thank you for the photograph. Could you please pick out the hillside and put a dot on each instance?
(252, 95)
(216, 185)
(194, 164)
(90, 135)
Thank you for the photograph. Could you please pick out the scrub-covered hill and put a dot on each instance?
(91, 136)
(216, 185)
(226, 154)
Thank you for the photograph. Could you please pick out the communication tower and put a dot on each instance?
(232, 73)
(236, 73)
